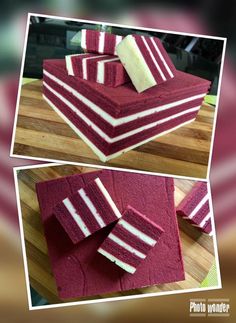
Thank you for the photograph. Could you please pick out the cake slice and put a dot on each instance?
(95, 41)
(195, 208)
(103, 69)
(87, 211)
(114, 120)
(130, 240)
(146, 61)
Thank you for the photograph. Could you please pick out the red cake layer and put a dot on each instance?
(114, 131)
(195, 207)
(103, 69)
(86, 211)
(79, 270)
(124, 100)
(94, 41)
(111, 148)
(134, 226)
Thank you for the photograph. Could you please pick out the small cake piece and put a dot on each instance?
(87, 211)
(145, 60)
(130, 240)
(103, 69)
(195, 208)
(94, 41)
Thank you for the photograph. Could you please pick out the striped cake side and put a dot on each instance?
(195, 208)
(130, 240)
(88, 210)
(102, 69)
(94, 41)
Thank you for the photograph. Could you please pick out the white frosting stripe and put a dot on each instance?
(120, 137)
(95, 149)
(118, 121)
(117, 261)
(118, 40)
(108, 197)
(153, 58)
(197, 208)
(84, 64)
(142, 236)
(162, 58)
(101, 42)
(126, 246)
(92, 208)
(83, 39)
(76, 217)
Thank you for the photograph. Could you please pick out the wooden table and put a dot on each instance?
(40, 132)
(198, 250)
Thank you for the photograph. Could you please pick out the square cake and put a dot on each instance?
(103, 69)
(79, 270)
(195, 208)
(114, 120)
(87, 211)
(129, 242)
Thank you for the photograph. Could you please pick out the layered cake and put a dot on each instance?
(129, 242)
(87, 211)
(103, 69)
(146, 61)
(79, 270)
(195, 208)
(114, 120)
(94, 41)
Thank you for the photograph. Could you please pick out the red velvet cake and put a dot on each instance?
(195, 208)
(103, 69)
(146, 61)
(79, 270)
(87, 211)
(94, 41)
(114, 120)
(129, 242)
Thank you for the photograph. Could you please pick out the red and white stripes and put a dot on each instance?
(146, 61)
(86, 211)
(195, 208)
(100, 42)
(130, 240)
(103, 69)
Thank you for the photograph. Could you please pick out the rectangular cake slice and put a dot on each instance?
(94, 41)
(130, 240)
(146, 61)
(103, 69)
(114, 120)
(87, 211)
(195, 208)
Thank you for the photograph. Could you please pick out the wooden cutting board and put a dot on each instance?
(40, 132)
(198, 249)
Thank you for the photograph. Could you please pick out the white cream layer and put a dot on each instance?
(197, 208)
(108, 197)
(101, 133)
(117, 261)
(77, 218)
(119, 121)
(101, 69)
(94, 148)
(92, 208)
(126, 246)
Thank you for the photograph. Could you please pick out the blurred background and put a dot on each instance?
(203, 16)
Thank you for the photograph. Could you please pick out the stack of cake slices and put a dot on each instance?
(95, 96)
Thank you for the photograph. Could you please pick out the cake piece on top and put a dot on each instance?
(87, 211)
(145, 60)
(103, 69)
(130, 240)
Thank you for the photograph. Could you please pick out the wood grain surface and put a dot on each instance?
(197, 248)
(41, 133)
